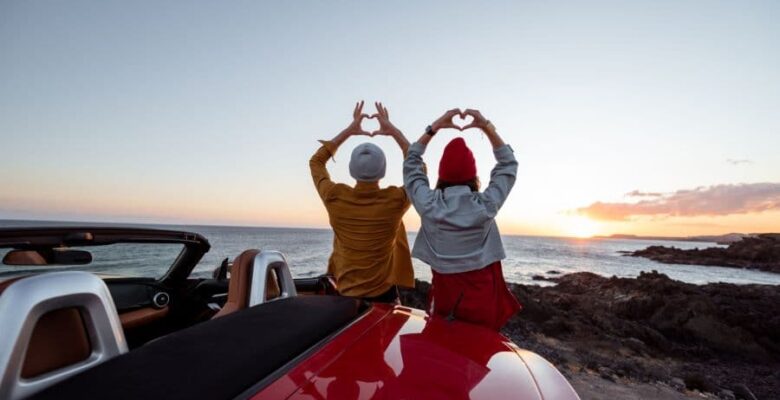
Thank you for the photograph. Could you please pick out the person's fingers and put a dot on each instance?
(479, 119)
(358, 109)
(447, 123)
(387, 113)
(469, 126)
(450, 119)
(372, 116)
(381, 111)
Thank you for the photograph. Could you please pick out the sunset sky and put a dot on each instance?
(653, 118)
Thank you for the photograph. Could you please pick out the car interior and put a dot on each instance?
(142, 328)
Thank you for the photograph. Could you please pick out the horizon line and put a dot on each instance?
(611, 236)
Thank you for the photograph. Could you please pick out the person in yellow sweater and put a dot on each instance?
(371, 256)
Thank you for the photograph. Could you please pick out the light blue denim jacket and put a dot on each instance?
(459, 231)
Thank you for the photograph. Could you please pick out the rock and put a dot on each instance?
(752, 252)
(726, 394)
(677, 384)
(702, 383)
(556, 327)
(720, 336)
(607, 373)
(742, 392)
(636, 345)
(553, 272)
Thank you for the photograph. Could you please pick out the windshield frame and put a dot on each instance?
(194, 247)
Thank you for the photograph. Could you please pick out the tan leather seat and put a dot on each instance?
(240, 285)
(47, 336)
(58, 339)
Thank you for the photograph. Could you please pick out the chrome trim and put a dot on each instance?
(157, 302)
(25, 301)
(263, 262)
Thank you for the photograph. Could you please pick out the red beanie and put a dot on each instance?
(457, 164)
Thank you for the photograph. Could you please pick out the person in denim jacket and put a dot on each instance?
(458, 236)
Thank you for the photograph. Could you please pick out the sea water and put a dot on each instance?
(307, 252)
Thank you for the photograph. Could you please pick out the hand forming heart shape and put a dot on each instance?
(373, 129)
(464, 118)
(467, 119)
(448, 120)
(386, 128)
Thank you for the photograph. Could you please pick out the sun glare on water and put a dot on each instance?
(581, 227)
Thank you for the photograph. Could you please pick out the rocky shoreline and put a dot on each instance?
(652, 335)
(760, 252)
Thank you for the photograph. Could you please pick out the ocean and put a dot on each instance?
(307, 252)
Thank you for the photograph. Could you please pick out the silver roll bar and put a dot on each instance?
(265, 261)
(24, 302)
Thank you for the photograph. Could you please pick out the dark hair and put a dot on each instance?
(473, 184)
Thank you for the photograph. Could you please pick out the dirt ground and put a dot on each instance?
(591, 386)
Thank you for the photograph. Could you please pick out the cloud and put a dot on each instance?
(637, 193)
(715, 200)
(738, 161)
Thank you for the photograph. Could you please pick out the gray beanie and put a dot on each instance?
(368, 163)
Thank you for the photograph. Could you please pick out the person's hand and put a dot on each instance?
(479, 121)
(357, 118)
(385, 126)
(445, 121)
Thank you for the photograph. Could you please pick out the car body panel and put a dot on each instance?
(396, 352)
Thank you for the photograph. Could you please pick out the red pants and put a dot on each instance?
(479, 297)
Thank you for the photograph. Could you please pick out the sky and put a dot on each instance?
(649, 118)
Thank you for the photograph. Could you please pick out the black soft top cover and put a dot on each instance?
(218, 359)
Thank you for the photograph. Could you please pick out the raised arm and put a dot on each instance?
(317, 163)
(503, 175)
(415, 177)
(445, 121)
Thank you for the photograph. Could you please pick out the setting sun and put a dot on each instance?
(581, 227)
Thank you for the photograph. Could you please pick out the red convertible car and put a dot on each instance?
(72, 329)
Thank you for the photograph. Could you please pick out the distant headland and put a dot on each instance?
(720, 239)
(760, 252)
